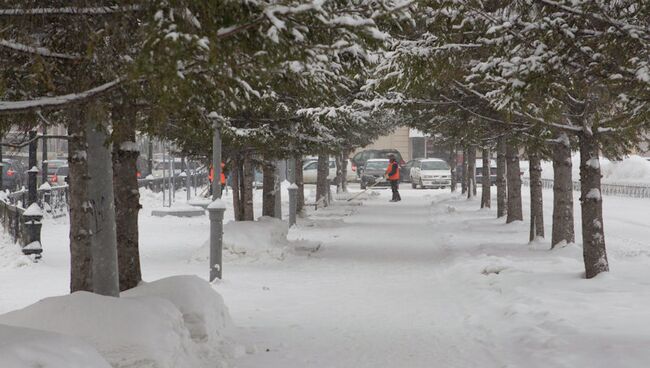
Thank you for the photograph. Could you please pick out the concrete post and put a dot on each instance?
(216, 210)
(32, 235)
(216, 159)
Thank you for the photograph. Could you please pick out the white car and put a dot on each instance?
(310, 171)
(430, 172)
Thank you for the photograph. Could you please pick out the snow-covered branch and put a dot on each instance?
(70, 10)
(17, 107)
(41, 51)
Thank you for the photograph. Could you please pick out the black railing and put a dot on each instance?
(619, 190)
(180, 181)
(53, 200)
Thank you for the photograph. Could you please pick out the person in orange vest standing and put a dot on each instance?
(392, 175)
(222, 178)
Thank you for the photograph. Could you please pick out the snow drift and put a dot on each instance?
(177, 322)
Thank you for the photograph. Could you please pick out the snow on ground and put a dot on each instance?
(430, 281)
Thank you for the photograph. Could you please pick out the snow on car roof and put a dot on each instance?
(433, 159)
(377, 159)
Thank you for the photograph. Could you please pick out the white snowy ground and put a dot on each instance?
(431, 281)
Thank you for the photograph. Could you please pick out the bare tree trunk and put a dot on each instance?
(515, 212)
(268, 189)
(486, 200)
(301, 185)
(471, 172)
(501, 178)
(249, 178)
(563, 230)
(321, 178)
(237, 190)
(536, 199)
(80, 216)
(452, 165)
(463, 183)
(103, 237)
(339, 172)
(593, 233)
(344, 169)
(127, 196)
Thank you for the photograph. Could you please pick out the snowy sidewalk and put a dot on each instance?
(435, 282)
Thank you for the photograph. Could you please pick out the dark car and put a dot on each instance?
(373, 173)
(13, 174)
(359, 160)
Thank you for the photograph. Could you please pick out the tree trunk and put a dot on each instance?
(237, 190)
(344, 170)
(563, 230)
(452, 165)
(593, 233)
(127, 197)
(339, 172)
(301, 186)
(80, 217)
(471, 172)
(268, 189)
(248, 179)
(321, 179)
(103, 237)
(486, 200)
(463, 183)
(536, 199)
(501, 178)
(514, 212)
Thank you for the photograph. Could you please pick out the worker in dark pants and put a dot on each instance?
(392, 175)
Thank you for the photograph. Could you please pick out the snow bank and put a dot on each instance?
(630, 170)
(27, 348)
(172, 323)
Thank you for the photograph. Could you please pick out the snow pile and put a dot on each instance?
(11, 256)
(27, 348)
(171, 323)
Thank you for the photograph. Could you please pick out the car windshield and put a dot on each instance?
(434, 165)
(63, 170)
(373, 165)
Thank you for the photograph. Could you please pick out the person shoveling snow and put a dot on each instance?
(392, 175)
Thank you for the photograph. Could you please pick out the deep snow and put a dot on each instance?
(431, 281)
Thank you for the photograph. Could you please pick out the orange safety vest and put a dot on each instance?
(390, 168)
(222, 176)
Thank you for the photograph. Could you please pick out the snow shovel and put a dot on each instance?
(381, 180)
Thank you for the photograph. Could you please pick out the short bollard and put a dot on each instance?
(293, 203)
(216, 210)
(33, 218)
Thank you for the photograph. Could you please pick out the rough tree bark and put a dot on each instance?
(463, 183)
(80, 217)
(339, 172)
(513, 174)
(452, 165)
(593, 233)
(268, 188)
(536, 199)
(501, 178)
(101, 201)
(237, 187)
(563, 230)
(321, 179)
(344, 169)
(471, 172)
(301, 185)
(127, 196)
(248, 179)
(486, 200)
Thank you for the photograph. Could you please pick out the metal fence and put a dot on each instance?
(159, 184)
(619, 190)
(53, 200)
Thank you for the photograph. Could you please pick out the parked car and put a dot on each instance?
(52, 166)
(359, 160)
(60, 176)
(373, 171)
(310, 171)
(430, 172)
(479, 172)
(405, 171)
(13, 174)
